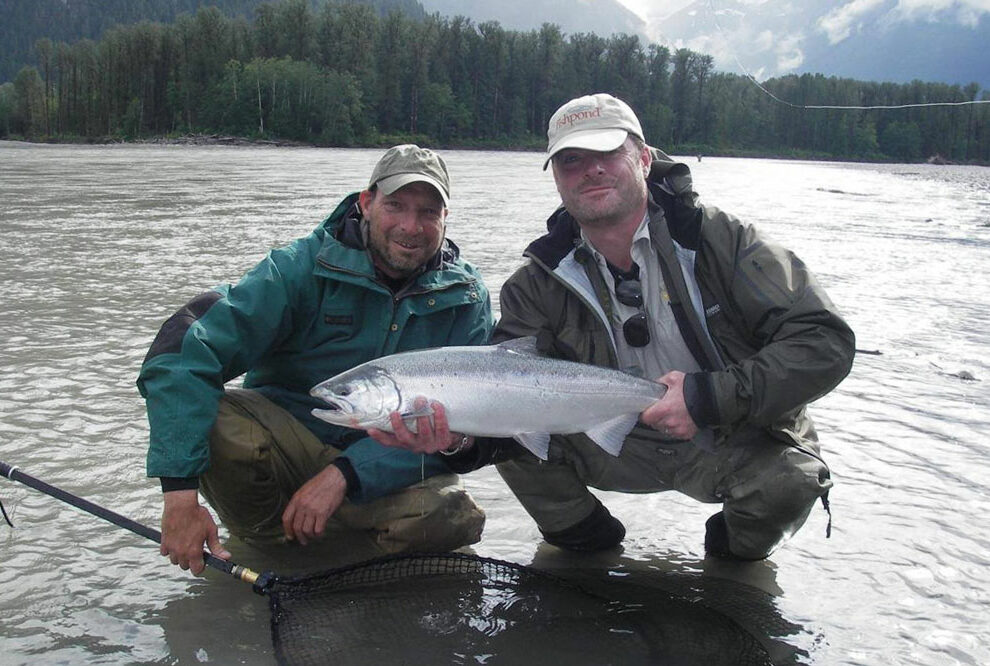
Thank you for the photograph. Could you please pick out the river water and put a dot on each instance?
(102, 243)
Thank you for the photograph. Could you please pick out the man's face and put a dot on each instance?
(405, 228)
(601, 189)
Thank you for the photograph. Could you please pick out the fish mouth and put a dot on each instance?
(333, 413)
(335, 407)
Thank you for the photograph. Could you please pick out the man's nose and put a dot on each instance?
(594, 163)
(409, 222)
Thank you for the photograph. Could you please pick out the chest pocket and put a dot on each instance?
(338, 324)
(726, 337)
(576, 333)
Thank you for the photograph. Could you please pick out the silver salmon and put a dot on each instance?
(505, 390)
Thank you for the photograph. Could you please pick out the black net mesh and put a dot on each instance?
(464, 609)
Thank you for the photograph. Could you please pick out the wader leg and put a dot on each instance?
(260, 455)
(555, 494)
(768, 494)
(766, 487)
(434, 515)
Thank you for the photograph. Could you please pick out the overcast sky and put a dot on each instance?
(660, 8)
(967, 12)
(774, 53)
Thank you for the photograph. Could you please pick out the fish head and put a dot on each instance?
(359, 398)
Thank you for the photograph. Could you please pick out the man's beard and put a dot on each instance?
(624, 200)
(400, 266)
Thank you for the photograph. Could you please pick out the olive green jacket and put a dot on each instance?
(767, 337)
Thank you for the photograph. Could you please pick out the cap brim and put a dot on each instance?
(398, 181)
(598, 140)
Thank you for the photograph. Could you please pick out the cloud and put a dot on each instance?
(964, 12)
(789, 53)
(760, 54)
(763, 41)
(839, 23)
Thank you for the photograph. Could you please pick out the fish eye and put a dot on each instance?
(343, 391)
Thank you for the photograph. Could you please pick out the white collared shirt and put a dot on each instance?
(666, 350)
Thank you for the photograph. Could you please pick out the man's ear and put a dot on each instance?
(364, 199)
(646, 159)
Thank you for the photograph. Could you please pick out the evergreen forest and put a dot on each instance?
(343, 74)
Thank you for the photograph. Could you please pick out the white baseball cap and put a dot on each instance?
(597, 122)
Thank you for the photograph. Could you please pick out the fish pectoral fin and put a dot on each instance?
(536, 442)
(415, 413)
(612, 433)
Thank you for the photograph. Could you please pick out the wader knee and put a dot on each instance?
(436, 515)
(768, 510)
(240, 483)
(259, 456)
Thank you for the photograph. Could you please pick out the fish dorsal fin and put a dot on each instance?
(525, 345)
(610, 434)
(536, 442)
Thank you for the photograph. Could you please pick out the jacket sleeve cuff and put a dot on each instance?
(350, 476)
(700, 399)
(170, 483)
(485, 451)
(381, 469)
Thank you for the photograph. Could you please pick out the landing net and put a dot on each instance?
(457, 608)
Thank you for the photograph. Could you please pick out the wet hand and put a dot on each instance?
(432, 434)
(669, 414)
(306, 516)
(186, 527)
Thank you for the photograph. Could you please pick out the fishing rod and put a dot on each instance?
(260, 581)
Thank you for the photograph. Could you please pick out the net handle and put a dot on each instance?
(261, 582)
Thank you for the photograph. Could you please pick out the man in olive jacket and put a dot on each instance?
(376, 277)
(634, 274)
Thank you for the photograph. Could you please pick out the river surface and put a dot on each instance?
(100, 244)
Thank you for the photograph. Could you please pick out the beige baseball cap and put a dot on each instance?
(408, 163)
(594, 122)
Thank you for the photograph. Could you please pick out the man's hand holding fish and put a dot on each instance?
(432, 435)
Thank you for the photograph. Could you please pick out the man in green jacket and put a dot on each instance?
(634, 274)
(376, 277)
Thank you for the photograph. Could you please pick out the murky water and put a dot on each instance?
(100, 244)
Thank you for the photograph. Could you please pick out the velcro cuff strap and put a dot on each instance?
(170, 483)
(350, 476)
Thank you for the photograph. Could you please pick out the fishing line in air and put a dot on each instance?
(732, 51)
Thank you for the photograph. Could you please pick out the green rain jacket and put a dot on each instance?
(305, 313)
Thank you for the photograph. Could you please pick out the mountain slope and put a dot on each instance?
(603, 17)
(864, 39)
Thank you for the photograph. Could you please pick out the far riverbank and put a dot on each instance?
(385, 141)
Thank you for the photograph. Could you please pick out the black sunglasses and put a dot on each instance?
(636, 329)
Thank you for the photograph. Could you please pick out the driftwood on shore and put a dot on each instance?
(217, 140)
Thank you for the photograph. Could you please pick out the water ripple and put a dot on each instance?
(110, 240)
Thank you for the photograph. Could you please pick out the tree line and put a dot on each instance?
(343, 74)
